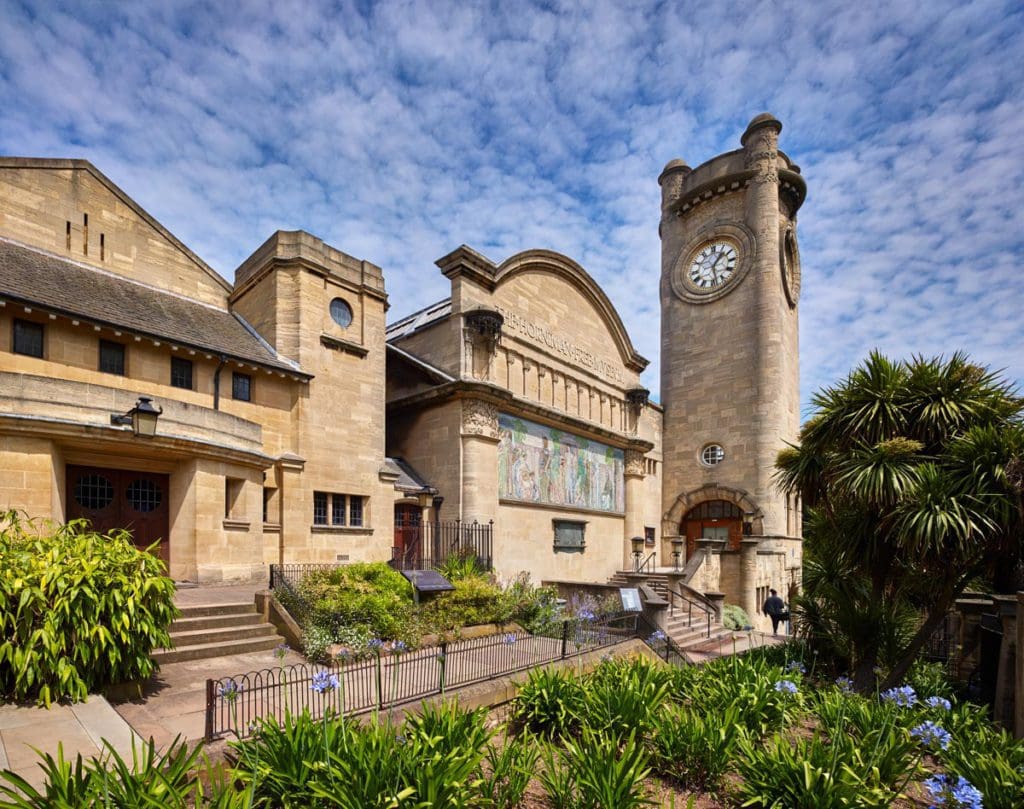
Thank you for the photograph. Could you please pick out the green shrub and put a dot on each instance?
(930, 680)
(550, 702)
(734, 617)
(991, 760)
(535, 608)
(751, 684)
(597, 772)
(693, 747)
(475, 600)
(153, 779)
(510, 769)
(370, 595)
(623, 696)
(78, 610)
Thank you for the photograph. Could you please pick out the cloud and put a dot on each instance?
(398, 130)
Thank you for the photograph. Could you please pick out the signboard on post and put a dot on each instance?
(630, 599)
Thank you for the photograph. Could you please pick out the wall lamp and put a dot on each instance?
(141, 418)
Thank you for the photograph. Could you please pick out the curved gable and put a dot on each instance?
(567, 270)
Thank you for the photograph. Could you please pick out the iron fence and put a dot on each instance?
(431, 545)
(386, 680)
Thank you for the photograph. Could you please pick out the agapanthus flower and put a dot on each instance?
(324, 681)
(658, 637)
(948, 793)
(903, 696)
(586, 614)
(786, 687)
(230, 690)
(397, 647)
(374, 644)
(938, 702)
(844, 684)
(281, 651)
(931, 735)
(510, 638)
(796, 665)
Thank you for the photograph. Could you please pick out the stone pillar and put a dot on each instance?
(1004, 709)
(1019, 702)
(747, 597)
(295, 514)
(970, 608)
(634, 522)
(479, 438)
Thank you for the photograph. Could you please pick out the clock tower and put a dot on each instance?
(730, 284)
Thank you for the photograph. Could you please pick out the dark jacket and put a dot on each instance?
(774, 605)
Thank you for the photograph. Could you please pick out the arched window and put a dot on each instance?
(714, 510)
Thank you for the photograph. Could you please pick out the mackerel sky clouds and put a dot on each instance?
(397, 131)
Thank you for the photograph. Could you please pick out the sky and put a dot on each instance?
(397, 131)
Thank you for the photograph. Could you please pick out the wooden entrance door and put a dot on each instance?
(713, 519)
(120, 498)
(408, 535)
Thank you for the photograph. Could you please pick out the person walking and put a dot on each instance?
(775, 608)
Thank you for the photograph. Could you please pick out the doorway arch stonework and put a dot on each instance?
(710, 491)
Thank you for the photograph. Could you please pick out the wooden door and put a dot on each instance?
(122, 499)
(408, 533)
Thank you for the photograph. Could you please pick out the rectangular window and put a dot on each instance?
(355, 511)
(233, 498)
(28, 338)
(338, 509)
(319, 508)
(569, 536)
(241, 387)
(649, 536)
(111, 357)
(181, 373)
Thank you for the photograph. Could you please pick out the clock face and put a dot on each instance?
(713, 266)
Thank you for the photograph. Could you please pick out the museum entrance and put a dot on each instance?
(712, 519)
(408, 548)
(113, 499)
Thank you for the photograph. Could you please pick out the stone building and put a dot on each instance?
(297, 427)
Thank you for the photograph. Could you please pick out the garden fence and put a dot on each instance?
(383, 680)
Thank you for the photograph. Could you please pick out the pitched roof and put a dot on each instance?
(426, 316)
(34, 277)
(408, 479)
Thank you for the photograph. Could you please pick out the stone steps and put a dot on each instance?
(216, 630)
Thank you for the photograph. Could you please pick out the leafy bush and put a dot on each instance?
(930, 680)
(752, 685)
(624, 696)
(550, 702)
(992, 761)
(597, 772)
(693, 747)
(734, 617)
(535, 608)
(78, 610)
(475, 600)
(165, 779)
(510, 770)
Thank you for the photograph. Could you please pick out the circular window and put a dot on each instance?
(94, 492)
(143, 495)
(341, 313)
(712, 455)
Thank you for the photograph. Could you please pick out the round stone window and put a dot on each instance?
(94, 492)
(712, 455)
(143, 495)
(341, 313)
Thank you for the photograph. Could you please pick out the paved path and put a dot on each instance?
(731, 644)
(192, 596)
(79, 728)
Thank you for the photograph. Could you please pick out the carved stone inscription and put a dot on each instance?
(572, 352)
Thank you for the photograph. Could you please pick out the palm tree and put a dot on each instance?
(911, 472)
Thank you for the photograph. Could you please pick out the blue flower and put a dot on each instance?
(658, 637)
(931, 735)
(374, 644)
(323, 681)
(398, 646)
(950, 794)
(281, 651)
(844, 684)
(796, 665)
(510, 638)
(903, 696)
(786, 687)
(586, 615)
(938, 702)
(230, 690)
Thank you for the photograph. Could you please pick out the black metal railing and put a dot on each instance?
(661, 642)
(686, 600)
(384, 681)
(647, 565)
(429, 546)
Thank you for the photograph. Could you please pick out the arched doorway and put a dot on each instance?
(712, 519)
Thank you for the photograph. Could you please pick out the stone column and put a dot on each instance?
(1004, 710)
(748, 578)
(479, 438)
(1019, 724)
(634, 522)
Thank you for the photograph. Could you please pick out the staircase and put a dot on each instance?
(216, 630)
(678, 625)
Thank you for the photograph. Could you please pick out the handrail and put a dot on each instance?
(642, 567)
(700, 602)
